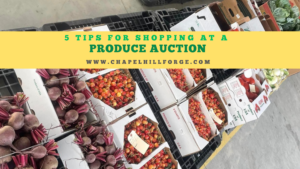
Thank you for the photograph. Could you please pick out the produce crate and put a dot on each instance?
(194, 161)
(61, 26)
(113, 22)
(220, 75)
(9, 84)
(24, 29)
(161, 2)
(172, 16)
(141, 21)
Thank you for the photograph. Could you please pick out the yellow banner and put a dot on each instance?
(149, 50)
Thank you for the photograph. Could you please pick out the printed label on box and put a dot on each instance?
(137, 142)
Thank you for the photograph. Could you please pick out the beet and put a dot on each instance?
(71, 116)
(54, 93)
(53, 71)
(86, 141)
(37, 152)
(80, 85)
(8, 135)
(30, 122)
(53, 81)
(49, 162)
(79, 99)
(22, 143)
(99, 139)
(82, 118)
(101, 149)
(5, 105)
(90, 158)
(109, 167)
(16, 120)
(110, 149)
(63, 79)
(60, 113)
(95, 165)
(111, 160)
(5, 151)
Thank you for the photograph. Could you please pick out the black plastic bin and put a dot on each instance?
(23, 29)
(162, 2)
(172, 16)
(62, 26)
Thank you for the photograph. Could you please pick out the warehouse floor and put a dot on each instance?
(272, 142)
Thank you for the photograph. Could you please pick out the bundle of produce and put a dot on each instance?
(18, 130)
(91, 71)
(211, 102)
(38, 157)
(252, 91)
(98, 148)
(116, 88)
(160, 161)
(197, 117)
(145, 129)
(68, 94)
(275, 77)
(179, 78)
(286, 16)
(197, 74)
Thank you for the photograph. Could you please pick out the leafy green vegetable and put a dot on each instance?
(287, 17)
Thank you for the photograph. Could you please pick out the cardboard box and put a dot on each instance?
(118, 128)
(253, 25)
(239, 95)
(92, 75)
(39, 101)
(71, 154)
(167, 149)
(202, 20)
(109, 114)
(233, 13)
(262, 101)
(265, 9)
(234, 110)
(293, 71)
(163, 88)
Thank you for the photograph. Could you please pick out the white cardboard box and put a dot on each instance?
(241, 99)
(253, 25)
(39, 101)
(89, 75)
(108, 113)
(235, 111)
(70, 153)
(200, 21)
(118, 129)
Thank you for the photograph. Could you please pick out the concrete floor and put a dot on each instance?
(272, 142)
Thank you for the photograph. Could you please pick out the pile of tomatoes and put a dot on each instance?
(197, 74)
(115, 89)
(246, 82)
(212, 102)
(197, 117)
(161, 160)
(179, 79)
(147, 132)
(91, 70)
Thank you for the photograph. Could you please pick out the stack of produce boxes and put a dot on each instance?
(193, 117)
(245, 96)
